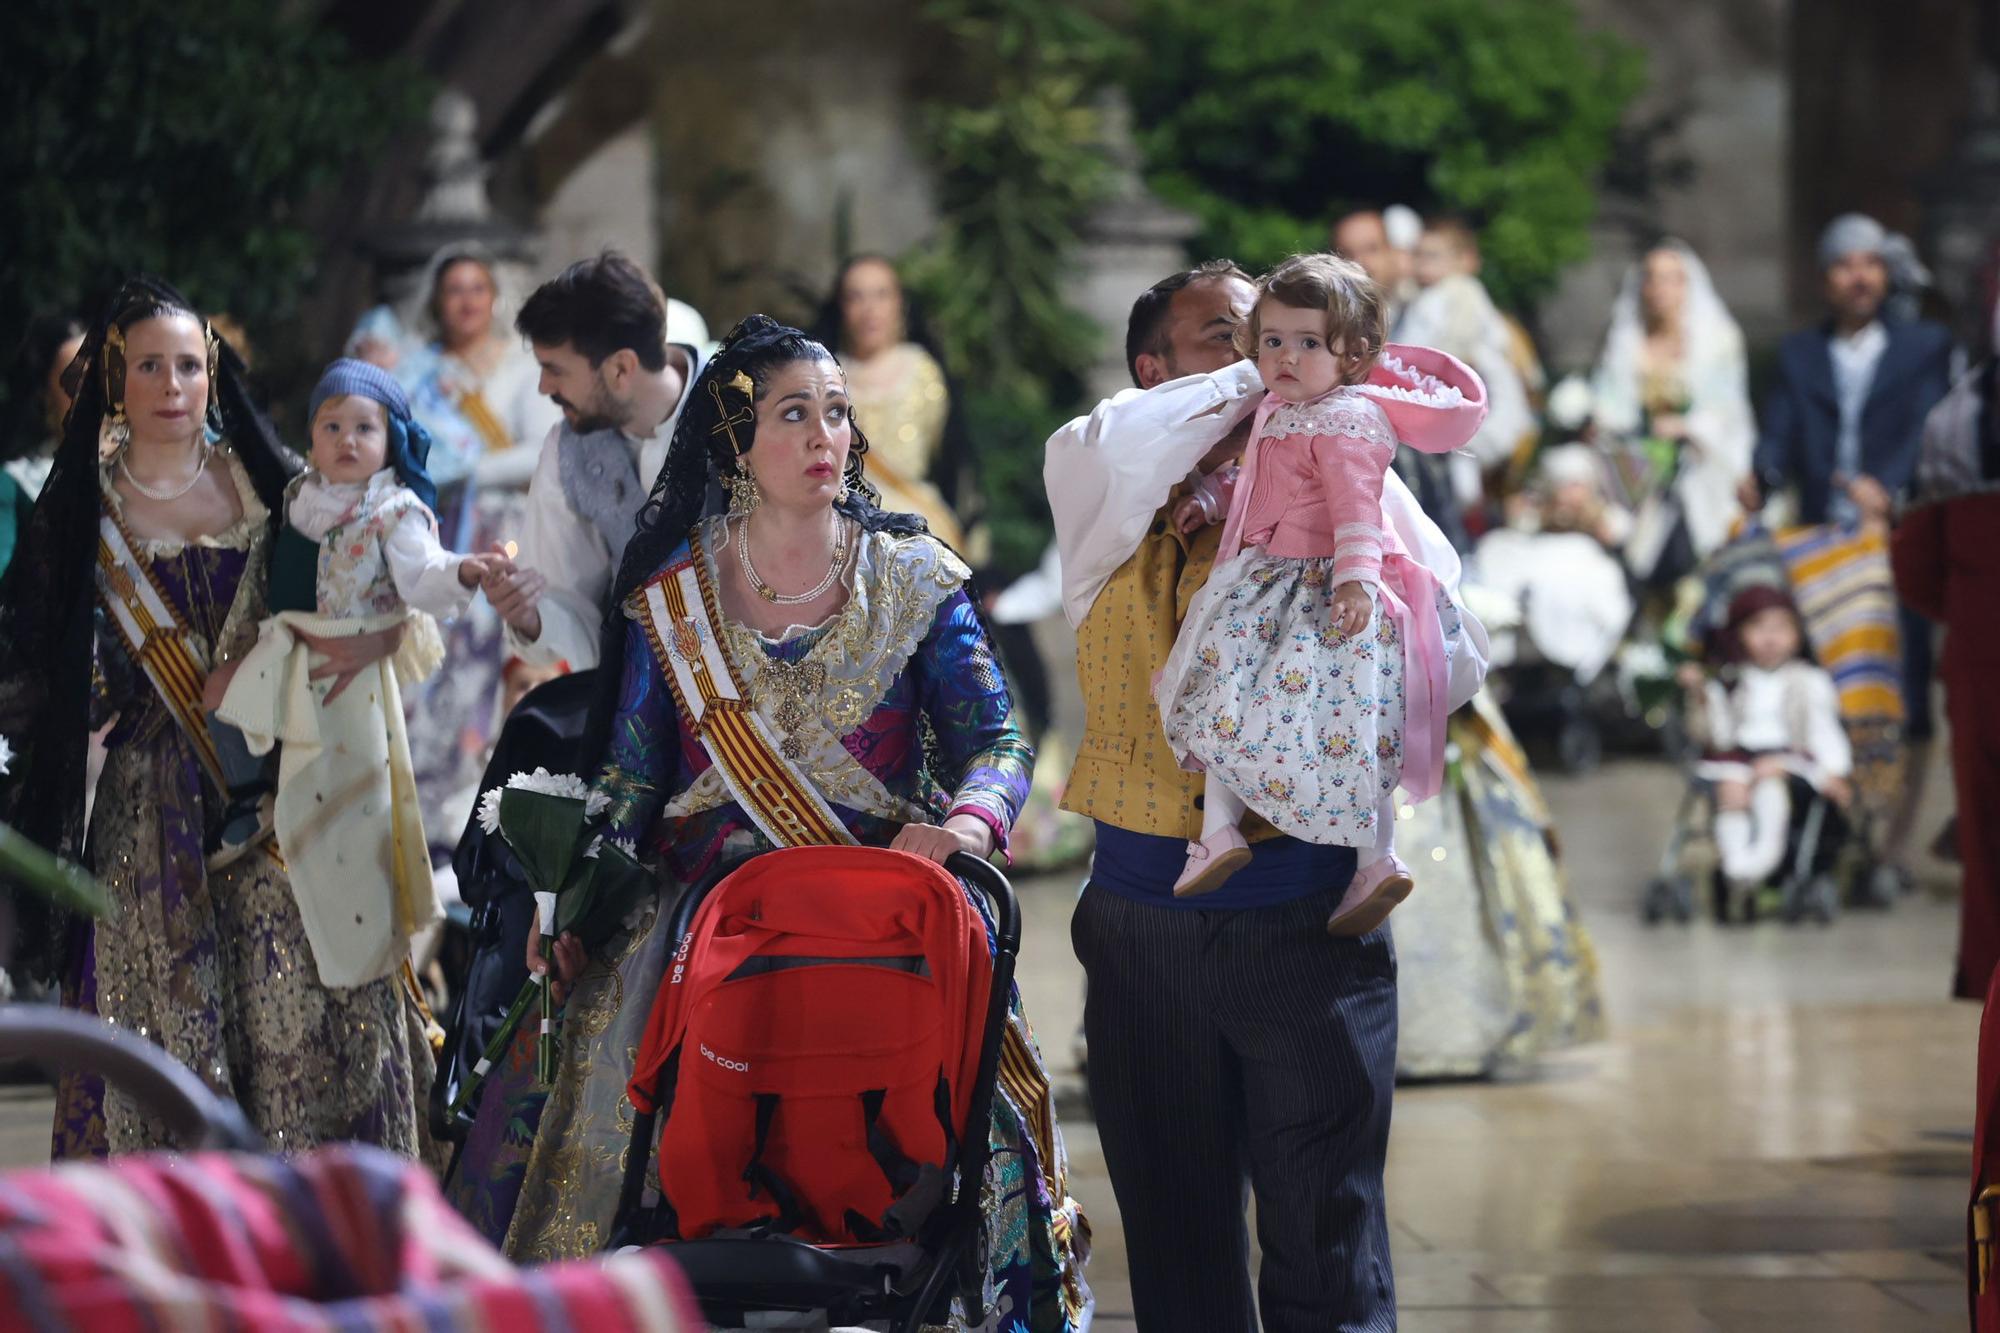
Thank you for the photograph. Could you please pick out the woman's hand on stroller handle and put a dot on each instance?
(936, 842)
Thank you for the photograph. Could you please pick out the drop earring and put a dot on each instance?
(743, 493)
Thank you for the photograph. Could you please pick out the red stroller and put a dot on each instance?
(820, 1064)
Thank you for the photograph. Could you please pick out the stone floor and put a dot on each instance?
(1774, 1138)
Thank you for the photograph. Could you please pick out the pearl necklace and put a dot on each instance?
(204, 448)
(772, 595)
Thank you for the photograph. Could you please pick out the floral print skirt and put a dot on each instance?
(1305, 723)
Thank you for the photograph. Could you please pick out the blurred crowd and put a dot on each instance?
(1624, 527)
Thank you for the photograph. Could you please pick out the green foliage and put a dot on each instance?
(1270, 117)
(1018, 165)
(182, 139)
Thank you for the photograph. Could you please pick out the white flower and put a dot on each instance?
(489, 811)
(595, 804)
(552, 784)
(7, 757)
(625, 845)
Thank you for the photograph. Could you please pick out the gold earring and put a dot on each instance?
(743, 493)
(115, 434)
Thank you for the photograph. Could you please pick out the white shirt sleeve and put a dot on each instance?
(426, 575)
(568, 551)
(1108, 472)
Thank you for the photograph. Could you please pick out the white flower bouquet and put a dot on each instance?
(585, 885)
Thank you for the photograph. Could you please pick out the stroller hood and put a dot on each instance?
(1434, 401)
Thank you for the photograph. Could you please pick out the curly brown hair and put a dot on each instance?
(1355, 310)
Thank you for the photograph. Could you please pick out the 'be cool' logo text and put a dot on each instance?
(735, 1066)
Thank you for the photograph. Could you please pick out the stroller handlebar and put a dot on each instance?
(981, 874)
(56, 1038)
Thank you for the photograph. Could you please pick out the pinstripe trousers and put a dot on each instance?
(1243, 1052)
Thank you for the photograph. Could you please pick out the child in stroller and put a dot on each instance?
(1774, 762)
(1767, 714)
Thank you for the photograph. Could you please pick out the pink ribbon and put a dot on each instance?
(1410, 591)
(1233, 539)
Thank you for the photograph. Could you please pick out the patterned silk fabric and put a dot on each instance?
(1494, 967)
(214, 966)
(542, 1168)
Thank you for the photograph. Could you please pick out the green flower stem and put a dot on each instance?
(545, 1043)
(515, 1013)
(27, 864)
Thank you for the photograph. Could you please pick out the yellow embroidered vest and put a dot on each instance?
(1125, 774)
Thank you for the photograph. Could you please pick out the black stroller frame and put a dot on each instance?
(1808, 887)
(906, 1284)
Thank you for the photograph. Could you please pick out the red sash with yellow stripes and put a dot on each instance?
(156, 637)
(678, 608)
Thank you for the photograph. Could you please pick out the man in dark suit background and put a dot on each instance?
(1844, 421)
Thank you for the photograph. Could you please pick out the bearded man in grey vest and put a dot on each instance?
(599, 332)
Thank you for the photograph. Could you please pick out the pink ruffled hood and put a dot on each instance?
(1434, 401)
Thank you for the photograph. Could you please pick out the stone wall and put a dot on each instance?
(787, 136)
(1717, 72)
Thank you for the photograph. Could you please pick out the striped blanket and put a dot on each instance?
(347, 1238)
(1841, 581)
(1847, 596)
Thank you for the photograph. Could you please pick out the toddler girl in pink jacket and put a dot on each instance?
(1310, 674)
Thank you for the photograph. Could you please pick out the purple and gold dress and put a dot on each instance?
(213, 965)
(851, 700)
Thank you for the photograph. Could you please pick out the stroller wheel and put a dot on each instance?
(1579, 747)
(1682, 889)
(1661, 901)
(1878, 887)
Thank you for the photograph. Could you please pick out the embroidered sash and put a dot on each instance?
(156, 638)
(484, 423)
(678, 608)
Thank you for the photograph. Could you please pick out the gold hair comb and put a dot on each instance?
(742, 416)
